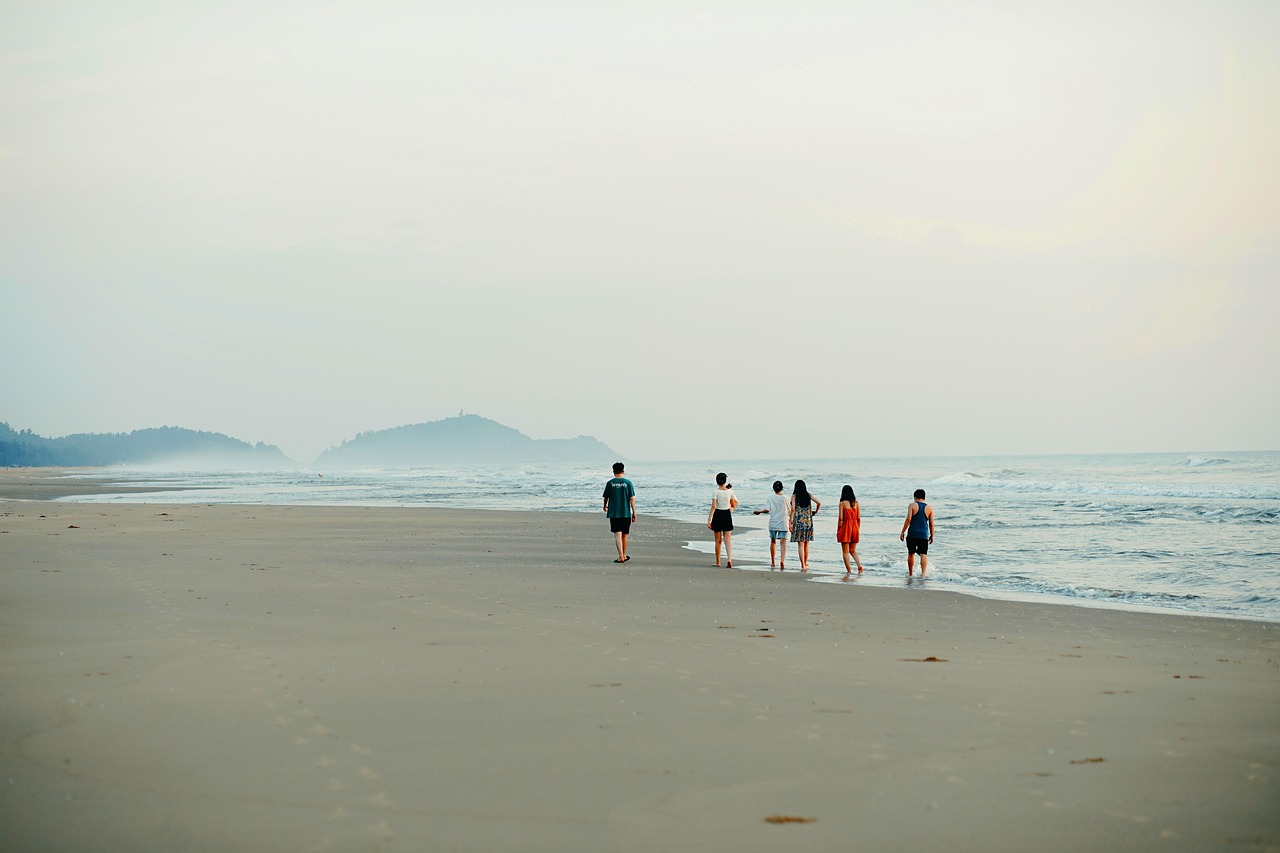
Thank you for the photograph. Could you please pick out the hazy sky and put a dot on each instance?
(713, 230)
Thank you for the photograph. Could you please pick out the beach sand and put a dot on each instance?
(214, 677)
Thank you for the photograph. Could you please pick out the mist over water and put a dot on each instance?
(1194, 533)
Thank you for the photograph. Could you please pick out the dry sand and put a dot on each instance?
(280, 678)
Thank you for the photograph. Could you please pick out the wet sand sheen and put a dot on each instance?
(285, 678)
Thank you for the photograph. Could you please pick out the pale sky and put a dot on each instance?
(712, 230)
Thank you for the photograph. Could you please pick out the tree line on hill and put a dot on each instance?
(451, 441)
(155, 446)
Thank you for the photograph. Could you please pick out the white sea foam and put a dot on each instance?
(1132, 531)
(1198, 462)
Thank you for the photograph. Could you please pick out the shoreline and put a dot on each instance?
(52, 484)
(282, 677)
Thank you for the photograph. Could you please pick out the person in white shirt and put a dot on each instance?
(720, 518)
(778, 508)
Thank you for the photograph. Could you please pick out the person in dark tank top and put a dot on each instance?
(917, 532)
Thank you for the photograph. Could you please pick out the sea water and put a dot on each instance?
(1197, 533)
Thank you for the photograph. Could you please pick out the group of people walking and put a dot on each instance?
(793, 516)
(788, 516)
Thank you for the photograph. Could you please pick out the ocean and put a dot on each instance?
(1193, 533)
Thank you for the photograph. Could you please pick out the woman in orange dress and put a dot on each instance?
(848, 528)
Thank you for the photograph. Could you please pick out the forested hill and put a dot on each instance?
(464, 439)
(162, 446)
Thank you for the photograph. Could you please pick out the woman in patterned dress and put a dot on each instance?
(804, 507)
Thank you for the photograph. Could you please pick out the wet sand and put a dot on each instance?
(193, 677)
(54, 483)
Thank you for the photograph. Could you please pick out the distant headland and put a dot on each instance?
(459, 440)
(465, 439)
(161, 447)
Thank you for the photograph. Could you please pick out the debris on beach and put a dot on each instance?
(929, 659)
(782, 818)
(1089, 761)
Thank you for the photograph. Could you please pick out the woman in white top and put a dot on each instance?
(720, 518)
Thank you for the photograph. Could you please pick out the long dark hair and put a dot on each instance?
(846, 494)
(801, 491)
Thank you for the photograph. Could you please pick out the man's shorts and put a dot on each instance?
(620, 525)
(778, 534)
(917, 546)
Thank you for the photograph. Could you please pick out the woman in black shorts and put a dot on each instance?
(720, 518)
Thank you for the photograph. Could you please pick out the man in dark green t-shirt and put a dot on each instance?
(620, 507)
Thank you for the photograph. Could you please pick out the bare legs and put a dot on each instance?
(848, 549)
(776, 545)
(620, 541)
(727, 537)
(803, 548)
(911, 564)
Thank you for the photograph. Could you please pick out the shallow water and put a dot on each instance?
(1196, 533)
